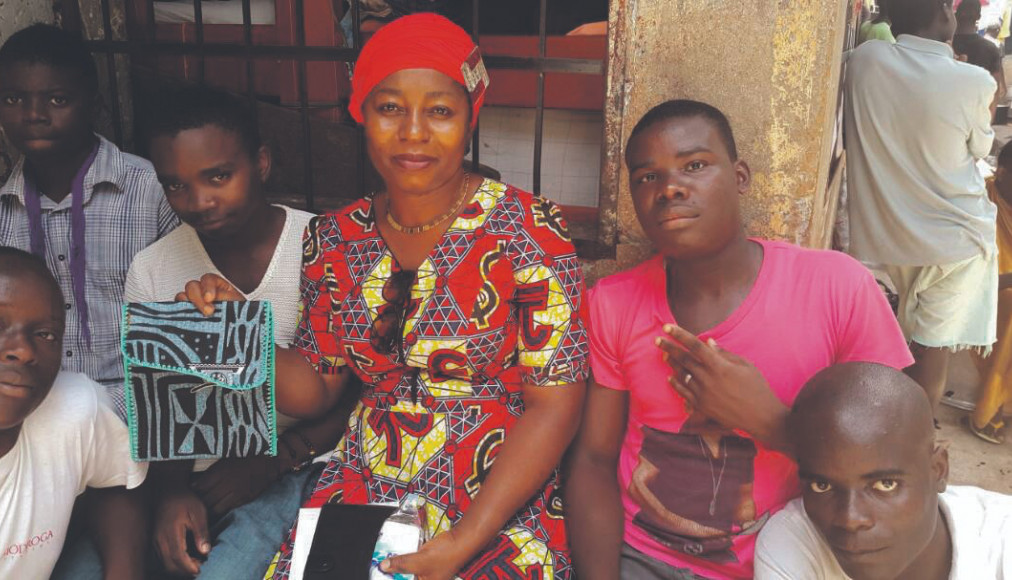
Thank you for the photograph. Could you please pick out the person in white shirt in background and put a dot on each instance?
(874, 504)
(58, 436)
(916, 121)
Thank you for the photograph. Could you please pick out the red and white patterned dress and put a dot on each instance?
(496, 304)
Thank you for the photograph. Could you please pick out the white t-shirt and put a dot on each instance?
(791, 548)
(916, 120)
(72, 441)
(160, 271)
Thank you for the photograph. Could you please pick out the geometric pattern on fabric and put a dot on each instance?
(464, 424)
(358, 323)
(527, 251)
(570, 349)
(363, 256)
(435, 480)
(448, 252)
(507, 218)
(386, 490)
(482, 348)
(570, 274)
(497, 304)
(327, 238)
(442, 317)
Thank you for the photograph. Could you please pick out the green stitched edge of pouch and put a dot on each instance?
(131, 405)
(267, 347)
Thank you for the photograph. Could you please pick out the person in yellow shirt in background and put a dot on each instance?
(1003, 32)
(994, 400)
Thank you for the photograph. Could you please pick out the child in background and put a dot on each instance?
(74, 198)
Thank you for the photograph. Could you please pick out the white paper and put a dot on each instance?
(304, 532)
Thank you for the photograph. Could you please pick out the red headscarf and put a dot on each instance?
(423, 40)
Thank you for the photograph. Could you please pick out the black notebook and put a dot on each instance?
(345, 537)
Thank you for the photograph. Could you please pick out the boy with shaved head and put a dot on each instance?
(875, 505)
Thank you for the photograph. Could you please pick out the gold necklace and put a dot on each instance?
(426, 227)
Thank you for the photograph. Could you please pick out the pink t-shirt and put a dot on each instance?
(695, 494)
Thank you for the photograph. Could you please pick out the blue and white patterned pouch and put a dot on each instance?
(199, 387)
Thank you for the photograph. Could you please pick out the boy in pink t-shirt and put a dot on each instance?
(683, 454)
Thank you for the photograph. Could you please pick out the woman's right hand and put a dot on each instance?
(209, 289)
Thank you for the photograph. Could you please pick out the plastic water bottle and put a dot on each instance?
(402, 533)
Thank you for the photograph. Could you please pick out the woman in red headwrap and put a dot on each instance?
(457, 301)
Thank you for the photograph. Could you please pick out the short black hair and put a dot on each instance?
(913, 16)
(52, 46)
(685, 109)
(1005, 156)
(14, 261)
(968, 11)
(978, 52)
(177, 109)
(883, 10)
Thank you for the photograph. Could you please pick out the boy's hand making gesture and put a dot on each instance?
(724, 386)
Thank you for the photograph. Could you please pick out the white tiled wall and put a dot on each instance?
(571, 151)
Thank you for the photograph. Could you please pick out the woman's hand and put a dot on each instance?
(209, 289)
(525, 461)
(439, 559)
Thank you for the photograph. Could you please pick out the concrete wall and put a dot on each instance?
(772, 66)
(15, 15)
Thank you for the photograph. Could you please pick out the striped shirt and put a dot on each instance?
(125, 210)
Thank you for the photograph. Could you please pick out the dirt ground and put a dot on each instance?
(972, 461)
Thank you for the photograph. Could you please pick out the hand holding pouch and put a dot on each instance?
(199, 387)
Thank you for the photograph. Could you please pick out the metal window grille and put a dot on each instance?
(148, 45)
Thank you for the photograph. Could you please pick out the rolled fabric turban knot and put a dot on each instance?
(419, 41)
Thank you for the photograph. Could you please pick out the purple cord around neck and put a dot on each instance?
(78, 255)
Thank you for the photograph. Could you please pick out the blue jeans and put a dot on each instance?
(245, 539)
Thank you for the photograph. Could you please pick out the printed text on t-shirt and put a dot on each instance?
(21, 548)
